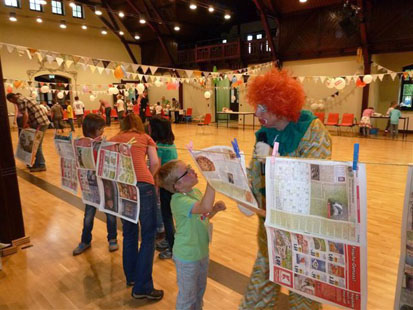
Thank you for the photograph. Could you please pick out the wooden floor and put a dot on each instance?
(47, 276)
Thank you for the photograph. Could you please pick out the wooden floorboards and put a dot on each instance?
(47, 276)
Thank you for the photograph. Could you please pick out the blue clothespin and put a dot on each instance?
(236, 147)
(355, 156)
(70, 136)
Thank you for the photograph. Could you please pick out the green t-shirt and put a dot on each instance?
(191, 237)
(395, 114)
(166, 152)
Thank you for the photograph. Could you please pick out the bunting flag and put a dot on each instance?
(49, 58)
(68, 63)
(144, 68)
(153, 69)
(100, 69)
(393, 75)
(59, 60)
(135, 67)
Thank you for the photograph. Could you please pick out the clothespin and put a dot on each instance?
(132, 141)
(275, 152)
(190, 146)
(70, 136)
(355, 156)
(236, 147)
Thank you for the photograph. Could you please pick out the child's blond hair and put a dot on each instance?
(166, 175)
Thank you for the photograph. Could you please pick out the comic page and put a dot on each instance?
(68, 167)
(316, 229)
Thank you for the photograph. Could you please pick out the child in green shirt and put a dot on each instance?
(191, 211)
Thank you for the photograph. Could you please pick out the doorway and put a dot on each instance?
(58, 83)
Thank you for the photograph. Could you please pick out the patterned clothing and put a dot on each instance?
(261, 292)
(37, 115)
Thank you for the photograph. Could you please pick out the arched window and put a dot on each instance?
(406, 89)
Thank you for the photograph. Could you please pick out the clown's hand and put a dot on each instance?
(262, 150)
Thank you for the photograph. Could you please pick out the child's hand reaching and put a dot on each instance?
(219, 206)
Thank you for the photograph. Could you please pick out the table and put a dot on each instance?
(238, 113)
(406, 121)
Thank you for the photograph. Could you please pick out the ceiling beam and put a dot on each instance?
(155, 29)
(158, 16)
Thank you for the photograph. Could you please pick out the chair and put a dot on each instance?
(205, 122)
(332, 120)
(95, 111)
(136, 109)
(320, 116)
(188, 115)
(86, 112)
(65, 115)
(347, 121)
(113, 114)
(163, 115)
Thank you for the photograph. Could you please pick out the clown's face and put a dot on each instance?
(270, 120)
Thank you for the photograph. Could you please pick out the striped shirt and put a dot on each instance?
(37, 115)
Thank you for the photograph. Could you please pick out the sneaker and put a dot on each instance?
(167, 254)
(154, 295)
(113, 245)
(130, 283)
(81, 248)
(161, 245)
(38, 169)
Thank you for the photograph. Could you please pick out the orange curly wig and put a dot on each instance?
(278, 92)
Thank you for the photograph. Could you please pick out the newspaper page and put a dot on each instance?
(224, 172)
(117, 181)
(68, 169)
(404, 288)
(316, 229)
(85, 152)
(29, 141)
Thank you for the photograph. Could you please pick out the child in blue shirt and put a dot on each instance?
(395, 115)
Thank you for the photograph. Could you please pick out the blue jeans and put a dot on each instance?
(192, 281)
(40, 161)
(138, 260)
(90, 212)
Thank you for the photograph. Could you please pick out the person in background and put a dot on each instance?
(106, 109)
(192, 212)
(93, 127)
(278, 100)
(365, 123)
(138, 259)
(160, 130)
(35, 117)
(143, 106)
(393, 104)
(175, 107)
(69, 111)
(79, 108)
(158, 108)
(56, 113)
(395, 115)
(18, 119)
(120, 106)
(164, 102)
(129, 106)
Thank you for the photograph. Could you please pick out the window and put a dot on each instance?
(259, 36)
(57, 7)
(35, 5)
(77, 11)
(12, 3)
(249, 37)
(406, 89)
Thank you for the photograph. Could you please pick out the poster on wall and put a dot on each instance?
(117, 181)
(224, 171)
(85, 152)
(68, 168)
(316, 229)
(404, 288)
(29, 141)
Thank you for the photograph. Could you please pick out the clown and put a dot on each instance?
(278, 100)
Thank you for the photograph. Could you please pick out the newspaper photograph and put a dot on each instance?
(316, 229)
(29, 140)
(84, 149)
(224, 172)
(117, 181)
(68, 167)
(89, 187)
(404, 288)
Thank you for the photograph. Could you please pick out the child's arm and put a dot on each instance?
(207, 202)
(153, 159)
(218, 206)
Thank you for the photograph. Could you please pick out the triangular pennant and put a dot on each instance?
(85, 60)
(374, 77)
(144, 68)
(393, 75)
(189, 73)
(100, 69)
(84, 66)
(105, 63)
(140, 76)
(76, 59)
(301, 78)
(315, 79)
(59, 60)
(134, 76)
(107, 70)
(135, 67)
(322, 79)
(153, 69)
(92, 68)
(49, 58)
(348, 79)
(10, 48)
(66, 92)
(68, 63)
(95, 61)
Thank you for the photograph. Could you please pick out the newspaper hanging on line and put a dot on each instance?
(117, 181)
(316, 229)
(224, 171)
(85, 150)
(29, 141)
(68, 170)
(404, 288)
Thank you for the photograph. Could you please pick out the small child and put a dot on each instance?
(191, 211)
(365, 124)
(160, 131)
(158, 108)
(69, 111)
(393, 104)
(93, 126)
(395, 115)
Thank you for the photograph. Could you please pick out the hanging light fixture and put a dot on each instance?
(177, 28)
(121, 33)
(192, 5)
(227, 15)
(142, 19)
(98, 12)
(39, 20)
(303, 1)
(104, 31)
(121, 14)
(137, 37)
(63, 24)
(211, 9)
(12, 17)
(42, 2)
(72, 4)
(84, 27)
